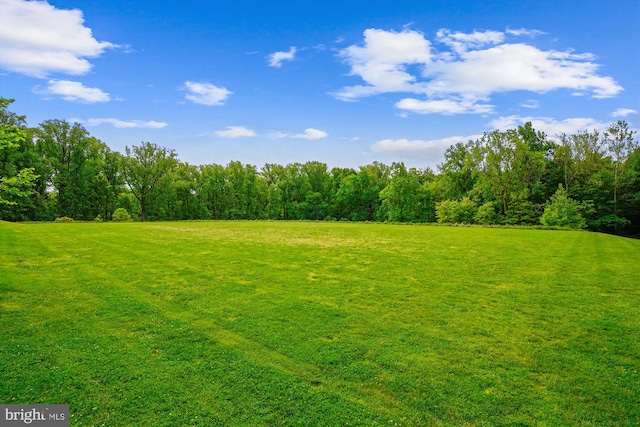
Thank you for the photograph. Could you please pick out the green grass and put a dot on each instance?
(298, 323)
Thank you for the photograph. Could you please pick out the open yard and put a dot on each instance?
(306, 323)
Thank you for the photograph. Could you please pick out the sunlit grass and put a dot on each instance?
(298, 323)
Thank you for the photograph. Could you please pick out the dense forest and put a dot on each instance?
(514, 177)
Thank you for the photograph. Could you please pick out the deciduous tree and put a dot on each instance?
(143, 169)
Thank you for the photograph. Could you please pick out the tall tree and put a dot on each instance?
(359, 195)
(212, 190)
(400, 198)
(16, 182)
(619, 143)
(317, 200)
(338, 207)
(143, 169)
(459, 171)
(245, 191)
(498, 153)
(68, 150)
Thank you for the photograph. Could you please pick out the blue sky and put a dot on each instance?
(342, 82)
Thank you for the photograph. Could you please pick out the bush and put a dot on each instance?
(456, 212)
(98, 218)
(611, 223)
(121, 215)
(465, 211)
(444, 211)
(562, 211)
(63, 219)
(487, 215)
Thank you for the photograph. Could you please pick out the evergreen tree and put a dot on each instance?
(562, 211)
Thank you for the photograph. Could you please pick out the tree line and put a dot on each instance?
(514, 177)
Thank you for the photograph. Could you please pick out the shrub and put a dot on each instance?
(98, 218)
(464, 211)
(63, 219)
(444, 211)
(562, 211)
(610, 223)
(486, 214)
(121, 215)
(456, 212)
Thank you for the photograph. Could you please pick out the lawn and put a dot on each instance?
(304, 323)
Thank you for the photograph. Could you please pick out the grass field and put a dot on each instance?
(298, 323)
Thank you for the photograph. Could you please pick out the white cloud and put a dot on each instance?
(624, 112)
(463, 77)
(276, 59)
(416, 145)
(235, 132)
(514, 67)
(124, 124)
(278, 134)
(432, 150)
(461, 42)
(382, 62)
(38, 39)
(206, 93)
(550, 126)
(530, 103)
(524, 32)
(73, 91)
(311, 133)
(444, 106)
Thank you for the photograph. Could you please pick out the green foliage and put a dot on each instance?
(98, 218)
(504, 177)
(459, 170)
(522, 210)
(120, 215)
(562, 211)
(401, 198)
(63, 219)
(487, 214)
(19, 185)
(611, 222)
(15, 184)
(358, 197)
(146, 170)
(456, 212)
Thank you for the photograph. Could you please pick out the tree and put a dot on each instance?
(630, 201)
(110, 181)
(498, 151)
(18, 186)
(143, 169)
(316, 201)
(245, 191)
(459, 170)
(401, 198)
(339, 205)
(562, 211)
(275, 175)
(359, 195)
(212, 190)
(73, 162)
(14, 183)
(183, 201)
(619, 142)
